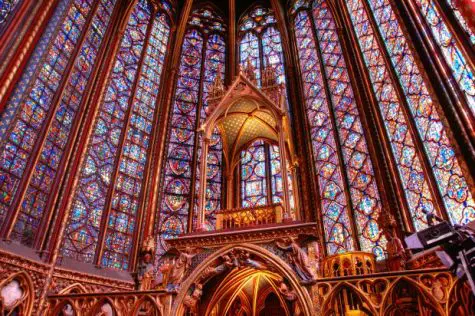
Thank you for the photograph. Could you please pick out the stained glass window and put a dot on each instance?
(112, 174)
(6, 9)
(340, 152)
(276, 179)
(254, 182)
(261, 178)
(431, 131)
(461, 19)
(261, 44)
(450, 48)
(47, 97)
(214, 63)
(202, 57)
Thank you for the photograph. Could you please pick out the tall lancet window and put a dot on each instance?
(203, 56)
(443, 36)
(261, 47)
(41, 115)
(350, 201)
(426, 159)
(106, 201)
(261, 44)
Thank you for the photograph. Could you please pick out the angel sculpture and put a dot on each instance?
(297, 257)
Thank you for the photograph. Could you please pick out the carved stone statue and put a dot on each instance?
(297, 257)
(245, 258)
(396, 254)
(180, 267)
(191, 301)
(226, 264)
(145, 273)
(249, 72)
(289, 295)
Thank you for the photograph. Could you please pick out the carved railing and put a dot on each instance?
(348, 264)
(429, 292)
(248, 217)
(149, 303)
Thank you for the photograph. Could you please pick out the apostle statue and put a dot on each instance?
(145, 274)
(179, 268)
(298, 258)
(395, 251)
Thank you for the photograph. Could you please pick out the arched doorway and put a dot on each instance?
(249, 290)
(242, 280)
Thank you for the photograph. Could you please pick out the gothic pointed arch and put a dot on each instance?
(148, 306)
(104, 307)
(276, 264)
(406, 296)
(345, 298)
(17, 294)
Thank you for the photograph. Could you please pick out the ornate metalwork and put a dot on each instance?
(248, 217)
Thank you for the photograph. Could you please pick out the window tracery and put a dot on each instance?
(261, 43)
(340, 151)
(106, 200)
(202, 58)
(36, 125)
(421, 107)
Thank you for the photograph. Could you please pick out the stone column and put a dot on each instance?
(203, 181)
(283, 171)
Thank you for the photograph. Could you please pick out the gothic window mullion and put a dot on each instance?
(269, 179)
(439, 205)
(128, 114)
(456, 58)
(141, 232)
(330, 183)
(39, 143)
(408, 150)
(338, 144)
(458, 26)
(262, 62)
(100, 51)
(194, 164)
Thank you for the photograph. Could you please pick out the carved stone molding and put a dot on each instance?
(260, 234)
